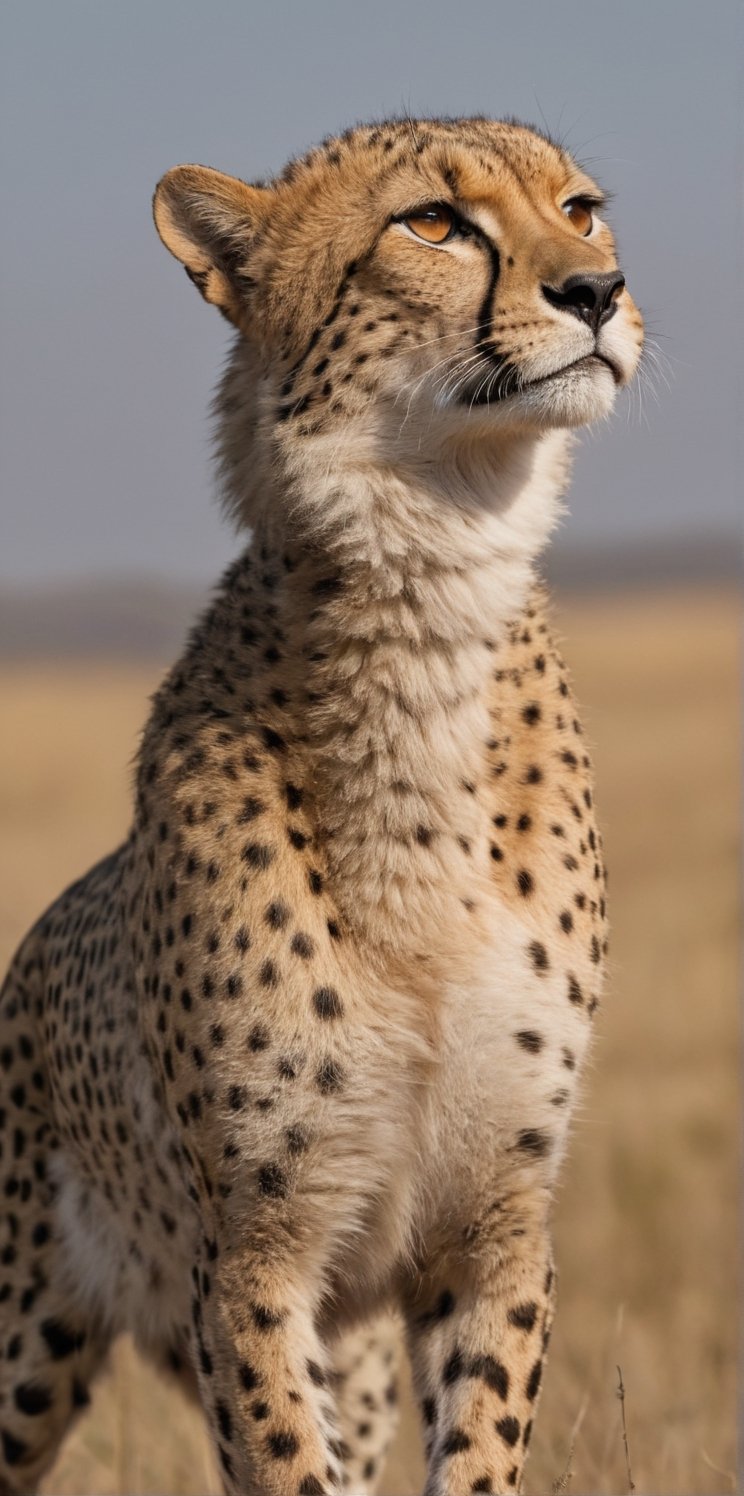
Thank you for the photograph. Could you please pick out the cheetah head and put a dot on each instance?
(409, 281)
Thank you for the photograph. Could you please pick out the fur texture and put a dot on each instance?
(304, 1050)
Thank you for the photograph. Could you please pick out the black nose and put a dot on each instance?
(590, 297)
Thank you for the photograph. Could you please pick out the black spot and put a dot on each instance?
(443, 1308)
(61, 1340)
(316, 1373)
(491, 1371)
(294, 796)
(533, 1381)
(496, 853)
(529, 1040)
(258, 1038)
(31, 1398)
(237, 1097)
(532, 1140)
(224, 1420)
(454, 1367)
(329, 1076)
(283, 1444)
(80, 1394)
(566, 921)
(525, 882)
(272, 739)
(302, 945)
(531, 713)
(272, 1181)
(575, 994)
(250, 810)
(483, 1483)
(242, 939)
(260, 1411)
(257, 855)
(455, 1441)
(524, 822)
(13, 1449)
(569, 1058)
(268, 975)
(266, 1319)
(277, 915)
(523, 1316)
(248, 1377)
(429, 1410)
(538, 955)
(297, 1138)
(509, 1430)
(315, 880)
(534, 775)
(327, 1003)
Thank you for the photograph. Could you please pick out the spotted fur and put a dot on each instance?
(303, 1051)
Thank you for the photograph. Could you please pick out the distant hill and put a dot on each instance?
(143, 618)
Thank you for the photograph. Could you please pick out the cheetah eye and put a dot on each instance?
(435, 223)
(579, 210)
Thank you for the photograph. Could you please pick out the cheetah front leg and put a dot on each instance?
(265, 1376)
(479, 1322)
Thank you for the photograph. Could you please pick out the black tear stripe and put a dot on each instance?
(484, 345)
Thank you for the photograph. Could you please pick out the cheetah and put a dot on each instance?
(293, 1067)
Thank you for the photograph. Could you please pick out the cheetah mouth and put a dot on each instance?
(505, 383)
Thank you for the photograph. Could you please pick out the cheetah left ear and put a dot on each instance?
(208, 221)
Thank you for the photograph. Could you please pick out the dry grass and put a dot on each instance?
(647, 1222)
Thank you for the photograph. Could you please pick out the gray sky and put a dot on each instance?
(109, 355)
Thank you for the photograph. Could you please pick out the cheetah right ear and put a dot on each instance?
(208, 220)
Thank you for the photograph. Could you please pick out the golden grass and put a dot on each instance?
(647, 1220)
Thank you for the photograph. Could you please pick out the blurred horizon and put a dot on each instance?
(109, 357)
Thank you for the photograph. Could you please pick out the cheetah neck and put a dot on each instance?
(394, 615)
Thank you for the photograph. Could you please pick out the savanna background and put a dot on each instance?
(110, 542)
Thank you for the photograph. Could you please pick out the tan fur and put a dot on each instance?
(305, 1048)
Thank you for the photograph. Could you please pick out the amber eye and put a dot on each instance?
(580, 213)
(435, 223)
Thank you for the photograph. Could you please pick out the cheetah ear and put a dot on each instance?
(208, 220)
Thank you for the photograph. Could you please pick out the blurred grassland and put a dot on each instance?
(648, 1218)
